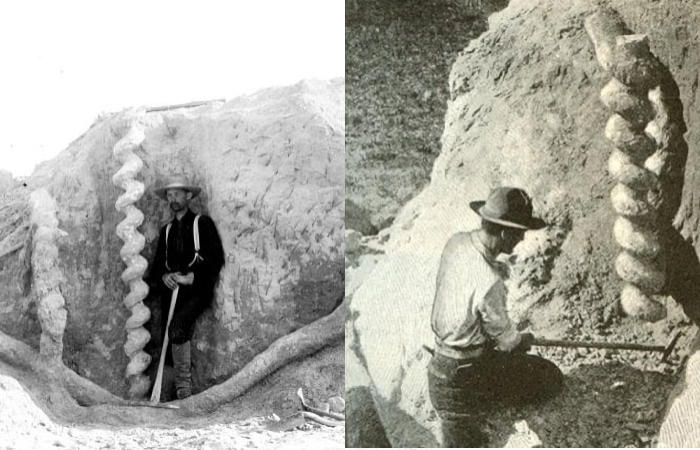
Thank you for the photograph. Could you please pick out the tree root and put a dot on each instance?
(302, 342)
(84, 391)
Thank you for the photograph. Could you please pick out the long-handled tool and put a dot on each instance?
(612, 345)
(155, 394)
(150, 405)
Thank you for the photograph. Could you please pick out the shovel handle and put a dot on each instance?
(612, 345)
(155, 393)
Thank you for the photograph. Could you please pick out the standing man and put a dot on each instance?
(189, 254)
(480, 359)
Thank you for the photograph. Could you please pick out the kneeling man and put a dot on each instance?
(480, 359)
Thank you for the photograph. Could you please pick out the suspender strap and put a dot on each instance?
(167, 232)
(195, 233)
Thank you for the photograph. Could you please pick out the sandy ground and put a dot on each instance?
(24, 425)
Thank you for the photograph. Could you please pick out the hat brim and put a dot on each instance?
(161, 192)
(533, 223)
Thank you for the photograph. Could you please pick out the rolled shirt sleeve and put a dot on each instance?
(494, 318)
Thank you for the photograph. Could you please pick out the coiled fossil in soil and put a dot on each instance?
(136, 335)
(644, 132)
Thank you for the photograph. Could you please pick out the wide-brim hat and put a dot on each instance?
(177, 182)
(510, 207)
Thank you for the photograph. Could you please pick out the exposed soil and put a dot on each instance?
(606, 402)
(611, 398)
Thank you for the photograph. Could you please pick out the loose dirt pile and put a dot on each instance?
(524, 110)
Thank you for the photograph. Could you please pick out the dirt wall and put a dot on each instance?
(271, 169)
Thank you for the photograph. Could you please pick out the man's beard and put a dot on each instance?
(176, 207)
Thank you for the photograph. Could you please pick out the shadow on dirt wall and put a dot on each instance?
(683, 274)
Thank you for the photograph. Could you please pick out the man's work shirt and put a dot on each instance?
(470, 300)
(178, 255)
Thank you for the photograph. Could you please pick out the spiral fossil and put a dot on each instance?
(136, 335)
(47, 277)
(646, 133)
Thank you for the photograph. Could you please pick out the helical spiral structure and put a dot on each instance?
(136, 335)
(46, 275)
(643, 135)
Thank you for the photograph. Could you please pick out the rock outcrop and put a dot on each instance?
(271, 166)
(525, 110)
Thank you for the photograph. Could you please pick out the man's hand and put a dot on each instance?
(184, 279)
(169, 279)
(526, 340)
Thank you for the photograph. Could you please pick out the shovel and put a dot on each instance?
(666, 350)
(155, 394)
(612, 345)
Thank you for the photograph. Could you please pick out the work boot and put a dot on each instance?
(182, 363)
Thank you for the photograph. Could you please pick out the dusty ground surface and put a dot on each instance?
(34, 417)
(606, 402)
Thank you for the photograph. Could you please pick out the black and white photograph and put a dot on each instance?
(172, 225)
(522, 223)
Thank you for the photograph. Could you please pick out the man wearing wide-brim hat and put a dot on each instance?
(480, 358)
(189, 257)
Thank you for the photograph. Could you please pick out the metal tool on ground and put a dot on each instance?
(319, 412)
(155, 394)
(150, 405)
(610, 345)
(666, 350)
(308, 412)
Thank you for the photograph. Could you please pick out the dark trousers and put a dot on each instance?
(184, 316)
(183, 321)
(464, 391)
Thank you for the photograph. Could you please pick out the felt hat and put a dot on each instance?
(177, 182)
(510, 207)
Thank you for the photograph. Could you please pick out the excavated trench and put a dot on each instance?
(76, 363)
(51, 405)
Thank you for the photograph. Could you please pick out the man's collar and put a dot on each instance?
(186, 215)
(489, 256)
(481, 248)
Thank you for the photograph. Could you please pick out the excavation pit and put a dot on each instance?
(271, 168)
